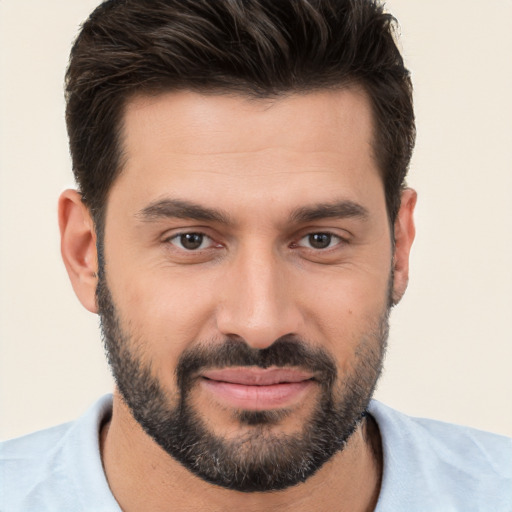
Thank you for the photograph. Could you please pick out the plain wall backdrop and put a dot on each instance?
(450, 349)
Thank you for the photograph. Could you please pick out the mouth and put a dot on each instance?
(257, 389)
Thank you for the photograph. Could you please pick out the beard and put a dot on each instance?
(259, 459)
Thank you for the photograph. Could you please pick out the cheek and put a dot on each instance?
(347, 309)
(163, 314)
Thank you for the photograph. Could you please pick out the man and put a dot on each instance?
(242, 227)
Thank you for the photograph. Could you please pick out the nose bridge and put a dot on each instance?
(258, 301)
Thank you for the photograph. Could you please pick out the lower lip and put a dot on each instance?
(257, 398)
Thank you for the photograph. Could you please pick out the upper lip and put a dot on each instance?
(253, 376)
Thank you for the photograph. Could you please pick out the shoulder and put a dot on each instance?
(55, 469)
(492, 451)
(32, 446)
(431, 464)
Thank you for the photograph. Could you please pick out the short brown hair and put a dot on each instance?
(259, 48)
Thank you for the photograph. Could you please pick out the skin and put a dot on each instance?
(257, 162)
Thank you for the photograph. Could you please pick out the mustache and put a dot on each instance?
(287, 351)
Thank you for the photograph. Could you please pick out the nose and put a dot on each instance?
(258, 302)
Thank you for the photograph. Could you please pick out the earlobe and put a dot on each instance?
(404, 237)
(78, 247)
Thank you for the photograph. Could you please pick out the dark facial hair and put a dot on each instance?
(259, 459)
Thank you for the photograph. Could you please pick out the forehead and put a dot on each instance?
(215, 123)
(231, 148)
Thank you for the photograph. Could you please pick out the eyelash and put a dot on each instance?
(178, 239)
(331, 236)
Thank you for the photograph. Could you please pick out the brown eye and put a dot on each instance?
(191, 241)
(320, 240)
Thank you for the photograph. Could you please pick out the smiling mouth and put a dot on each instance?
(252, 388)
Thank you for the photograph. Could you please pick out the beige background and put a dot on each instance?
(450, 350)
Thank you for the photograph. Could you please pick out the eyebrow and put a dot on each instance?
(337, 210)
(180, 209)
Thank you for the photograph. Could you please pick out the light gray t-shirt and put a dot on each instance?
(429, 466)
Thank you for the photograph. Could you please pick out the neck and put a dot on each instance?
(143, 477)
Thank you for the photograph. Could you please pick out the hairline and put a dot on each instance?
(354, 84)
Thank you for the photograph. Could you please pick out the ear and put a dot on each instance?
(404, 236)
(78, 247)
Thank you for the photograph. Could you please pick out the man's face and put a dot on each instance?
(247, 279)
